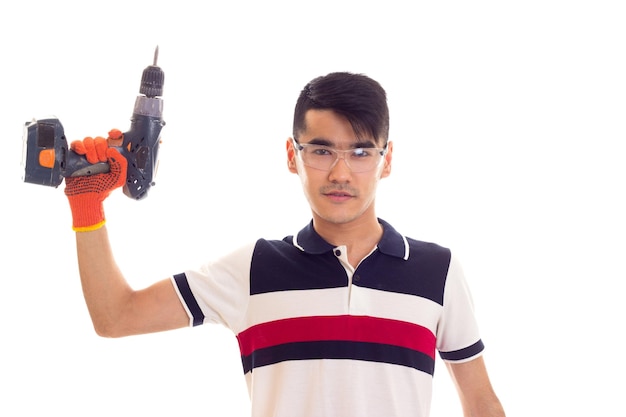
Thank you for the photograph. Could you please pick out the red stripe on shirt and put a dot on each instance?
(346, 328)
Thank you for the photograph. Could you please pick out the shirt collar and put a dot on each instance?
(392, 243)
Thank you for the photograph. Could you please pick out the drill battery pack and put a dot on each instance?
(44, 152)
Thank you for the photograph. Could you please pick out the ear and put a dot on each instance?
(291, 156)
(388, 157)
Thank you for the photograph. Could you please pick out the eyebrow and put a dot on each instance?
(330, 144)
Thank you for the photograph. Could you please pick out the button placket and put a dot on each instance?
(342, 255)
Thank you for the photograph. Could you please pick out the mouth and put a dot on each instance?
(338, 195)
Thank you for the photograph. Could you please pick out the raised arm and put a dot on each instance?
(116, 309)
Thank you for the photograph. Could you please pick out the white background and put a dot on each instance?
(508, 120)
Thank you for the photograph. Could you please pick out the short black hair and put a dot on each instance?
(357, 97)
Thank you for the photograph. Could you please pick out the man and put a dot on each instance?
(343, 318)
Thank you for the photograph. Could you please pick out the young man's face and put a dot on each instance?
(337, 195)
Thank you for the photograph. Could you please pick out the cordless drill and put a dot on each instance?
(48, 160)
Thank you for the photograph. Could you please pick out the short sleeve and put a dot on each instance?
(218, 291)
(458, 338)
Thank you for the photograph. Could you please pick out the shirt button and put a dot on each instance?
(337, 252)
(357, 277)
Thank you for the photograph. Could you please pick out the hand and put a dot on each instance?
(86, 194)
(95, 149)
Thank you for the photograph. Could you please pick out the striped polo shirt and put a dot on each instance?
(318, 337)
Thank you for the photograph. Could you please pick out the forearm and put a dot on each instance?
(488, 407)
(476, 393)
(105, 289)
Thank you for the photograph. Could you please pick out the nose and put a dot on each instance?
(340, 170)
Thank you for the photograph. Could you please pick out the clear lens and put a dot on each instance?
(324, 158)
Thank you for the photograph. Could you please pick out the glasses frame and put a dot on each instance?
(337, 152)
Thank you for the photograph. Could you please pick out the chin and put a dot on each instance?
(338, 218)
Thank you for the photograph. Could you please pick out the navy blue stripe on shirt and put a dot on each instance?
(192, 304)
(423, 274)
(334, 349)
(279, 266)
(468, 352)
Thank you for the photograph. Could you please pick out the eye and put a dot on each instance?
(361, 153)
(320, 151)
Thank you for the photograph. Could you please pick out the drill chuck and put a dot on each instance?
(152, 82)
(152, 79)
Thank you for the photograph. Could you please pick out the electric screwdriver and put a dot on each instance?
(47, 159)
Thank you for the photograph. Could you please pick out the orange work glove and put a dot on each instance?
(86, 194)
